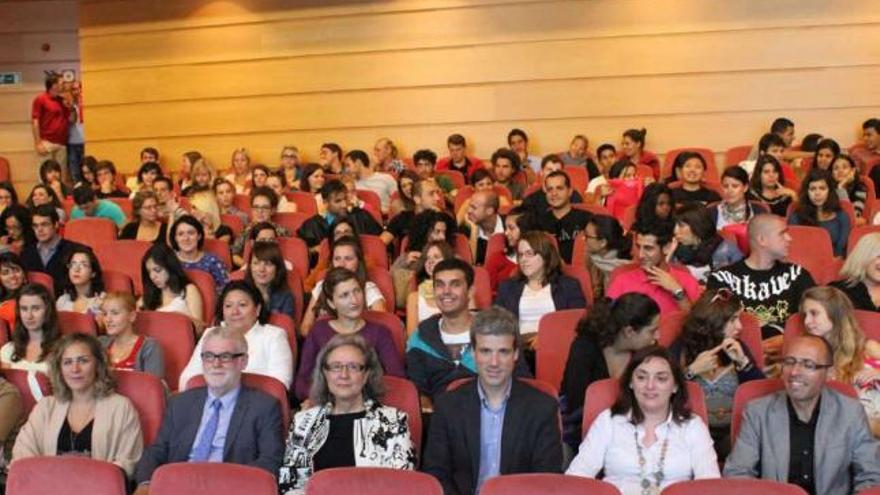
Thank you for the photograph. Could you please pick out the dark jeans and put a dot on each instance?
(75, 153)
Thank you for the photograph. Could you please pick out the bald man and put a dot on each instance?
(808, 434)
(769, 288)
(482, 221)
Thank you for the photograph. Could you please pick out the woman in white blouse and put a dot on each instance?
(649, 439)
(241, 308)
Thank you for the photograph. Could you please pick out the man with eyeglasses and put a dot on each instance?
(264, 203)
(49, 250)
(809, 434)
(222, 422)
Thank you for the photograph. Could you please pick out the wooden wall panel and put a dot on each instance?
(198, 74)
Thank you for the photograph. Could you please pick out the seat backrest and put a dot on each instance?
(4, 169)
(497, 243)
(243, 203)
(402, 394)
(147, 395)
(296, 251)
(556, 332)
(392, 323)
(707, 154)
(73, 322)
(856, 234)
(546, 484)
(594, 209)
(370, 198)
(175, 335)
(482, 288)
(734, 486)
(817, 259)
(371, 481)
(291, 221)
(124, 256)
(264, 383)
(205, 283)
(375, 250)
(90, 231)
(462, 248)
(602, 394)
(64, 475)
(211, 478)
(578, 177)
(286, 323)
(43, 279)
(117, 281)
(454, 176)
(220, 249)
(753, 389)
(672, 324)
(233, 222)
(579, 273)
(382, 279)
(736, 154)
(304, 201)
(20, 379)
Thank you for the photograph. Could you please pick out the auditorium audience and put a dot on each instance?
(126, 349)
(225, 421)
(335, 196)
(518, 141)
(84, 416)
(225, 193)
(89, 206)
(146, 225)
(655, 207)
(562, 220)
(829, 314)
(697, 245)
(424, 195)
(240, 173)
(458, 159)
(203, 179)
(505, 167)
(187, 239)
(264, 204)
(342, 298)
(819, 206)
(346, 253)
(768, 287)
(8, 196)
(266, 272)
(494, 406)
(41, 195)
(369, 179)
(278, 184)
(50, 251)
(167, 287)
(607, 248)
(16, 228)
(539, 287)
(421, 303)
(632, 147)
(867, 153)
(672, 287)
(146, 176)
(330, 157)
(734, 208)
(860, 275)
(347, 424)
(35, 332)
(425, 162)
(598, 186)
(12, 279)
(385, 152)
(187, 162)
(259, 176)
(606, 339)
(768, 186)
(290, 167)
(850, 186)
(50, 174)
(107, 181)
(827, 150)
(83, 291)
(690, 169)
(482, 220)
(501, 264)
(652, 408)
(809, 434)
(712, 354)
(578, 155)
(536, 201)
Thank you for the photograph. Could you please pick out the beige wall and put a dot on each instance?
(24, 27)
(216, 75)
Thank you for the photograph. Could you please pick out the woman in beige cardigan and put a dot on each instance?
(85, 416)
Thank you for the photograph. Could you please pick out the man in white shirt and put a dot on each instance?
(368, 179)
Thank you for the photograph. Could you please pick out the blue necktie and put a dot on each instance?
(203, 449)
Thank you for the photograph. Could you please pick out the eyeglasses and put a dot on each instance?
(722, 294)
(349, 367)
(807, 364)
(224, 357)
(288, 156)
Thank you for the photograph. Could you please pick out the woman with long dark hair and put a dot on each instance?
(819, 206)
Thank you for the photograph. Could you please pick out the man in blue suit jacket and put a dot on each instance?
(223, 422)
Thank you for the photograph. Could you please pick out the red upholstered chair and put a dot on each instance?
(497, 243)
(462, 248)
(371, 481)
(64, 476)
(291, 221)
(4, 333)
(211, 478)
(753, 389)
(736, 486)
(856, 234)
(90, 231)
(546, 484)
(73, 322)
(736, 154)
(870, 491)
(707, 154)
(594, 209)
(286, 323)
(304, 201)
(579, 273)
(454, 176)
(750, 335)
(21, 381)
(124, 256)
(482, 288)
(205, 283)
(4, 169)
(125, 205)
(263, 383)
(869, 321)
(147, 395)
(819, 259)
(578, 177)
(233, 222)
(174, 332)
(371, 199)
(402, 394)
(603, 393)
(375, 250)
(243, 203)
(382, 279)
(117, 281)
(392, 323)
(220, 249)
(43, 279)
(556, 332)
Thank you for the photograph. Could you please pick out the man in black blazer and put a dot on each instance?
(223, 422)
(50, 250)
(495, 424)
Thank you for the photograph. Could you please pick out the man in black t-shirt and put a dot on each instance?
(536, 202)
(427, 195)
(561, 220)
(768, 287)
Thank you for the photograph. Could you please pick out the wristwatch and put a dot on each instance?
(688, 374)
(679, 295)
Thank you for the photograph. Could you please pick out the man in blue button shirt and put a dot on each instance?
(495, 424)
(223, 422)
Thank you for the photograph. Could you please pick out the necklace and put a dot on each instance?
(647, 488)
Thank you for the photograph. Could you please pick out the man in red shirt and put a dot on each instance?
(51, 118)
(458, 159)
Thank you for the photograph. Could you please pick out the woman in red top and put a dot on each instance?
(633, 148)
(127, 350)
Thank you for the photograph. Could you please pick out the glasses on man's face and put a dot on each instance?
(223, 357)
(349, 367)
(807, 364)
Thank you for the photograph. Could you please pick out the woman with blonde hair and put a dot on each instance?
(84, 416)
(126, 349)
(828, 313)
(860, 275)
(203, 175)
(240, 174)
